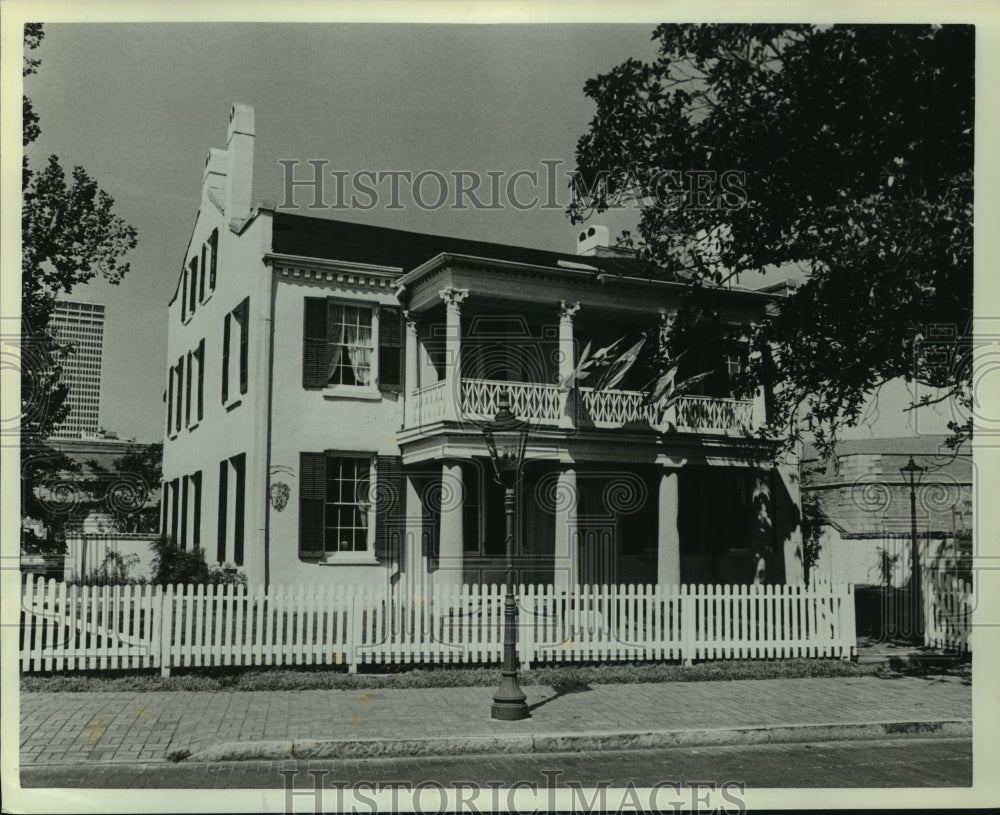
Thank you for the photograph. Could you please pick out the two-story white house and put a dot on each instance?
(327, 384)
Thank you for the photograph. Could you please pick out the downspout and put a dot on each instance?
(273, 286)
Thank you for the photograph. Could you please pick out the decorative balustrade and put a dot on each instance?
(428, 404)
(705, 414)
(537, 403)
(545, 404)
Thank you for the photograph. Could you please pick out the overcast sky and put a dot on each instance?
(139, 105)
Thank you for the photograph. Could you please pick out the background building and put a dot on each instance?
(81, 324)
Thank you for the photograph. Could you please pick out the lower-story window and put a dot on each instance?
(334, 504)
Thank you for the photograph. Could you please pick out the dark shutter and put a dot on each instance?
(225, 357)
(240, 466)
(312, 495)
(223, 509)
(194, 284)
(196, 527)
(180, 393)
(187, 394)
(184, 293)
(201, 380)
(314, 344)
(388, 507)
(201, 275)
(213, 243)
(244, 320)
(174, 495)
(390, 348)
(184, 512)
(170, 400)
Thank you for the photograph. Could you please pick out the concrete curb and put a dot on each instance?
(306, 749)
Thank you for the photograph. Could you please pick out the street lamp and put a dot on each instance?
(911, 473)
(506, 438)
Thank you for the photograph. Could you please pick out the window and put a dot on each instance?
(242, 315)
(170, 400)
(180, 393)
(235, 350)
(334, 504)
(339, 345)
(193, 299)
(226, 331)
(201, 276)
(232, 507)
(174, 493)
(196, 520)
(223, 510)
(184, 291)
(187, 394)
(213, 248)
(184, 512)
(200, 357)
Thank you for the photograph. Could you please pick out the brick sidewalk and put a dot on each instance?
(84, 727)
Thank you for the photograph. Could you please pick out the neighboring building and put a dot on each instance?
(327, 382)
(81, 324)
(865, 505)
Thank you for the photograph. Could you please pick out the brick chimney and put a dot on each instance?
(239, 172)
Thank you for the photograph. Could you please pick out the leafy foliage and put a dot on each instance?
(171, 564)
(844, 152)
(70, 234)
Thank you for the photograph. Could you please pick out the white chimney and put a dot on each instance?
(214, 178)
(239, 175)
(591, 239)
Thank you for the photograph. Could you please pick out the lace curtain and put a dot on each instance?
(351, 330)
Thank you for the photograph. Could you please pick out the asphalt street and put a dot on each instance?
(904, 762)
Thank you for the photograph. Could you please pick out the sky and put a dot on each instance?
(139, 106)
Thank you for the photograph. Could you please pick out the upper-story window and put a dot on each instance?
(213, 251)
(339, 346)
(235, 349)
(193, 279)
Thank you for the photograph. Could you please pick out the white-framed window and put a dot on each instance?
(335, 513)
(350, 346)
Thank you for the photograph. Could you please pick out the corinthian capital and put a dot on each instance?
(453, 298)
(568, 310)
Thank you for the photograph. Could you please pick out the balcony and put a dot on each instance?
(545, 405)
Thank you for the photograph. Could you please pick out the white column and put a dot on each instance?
(414, 563)
(668, 551)
(567, 360)
(410, 381)
(453, 299)
(450, 550)
(566, 538)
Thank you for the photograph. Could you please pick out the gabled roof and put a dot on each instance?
(381, 246)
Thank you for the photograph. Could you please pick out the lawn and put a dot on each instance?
(331, 678)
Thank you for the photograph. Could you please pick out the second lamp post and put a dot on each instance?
(506, 439)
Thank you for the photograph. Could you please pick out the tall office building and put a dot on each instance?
(81, 324)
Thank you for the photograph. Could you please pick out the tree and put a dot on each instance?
(70, 234)
(844, 152)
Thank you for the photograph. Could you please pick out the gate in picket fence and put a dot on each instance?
(79, 627)
(948, 604)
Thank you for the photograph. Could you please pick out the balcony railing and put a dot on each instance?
(546, 405)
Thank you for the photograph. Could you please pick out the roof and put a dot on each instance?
(381, 246)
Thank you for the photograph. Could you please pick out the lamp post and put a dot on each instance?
(911, 473)
(506, 439)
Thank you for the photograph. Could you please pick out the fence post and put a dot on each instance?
(165, 640)
(687, 605)
(526, 632)
(354, 631)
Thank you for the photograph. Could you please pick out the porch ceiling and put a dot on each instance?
(492, 282)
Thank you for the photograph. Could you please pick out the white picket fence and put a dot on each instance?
(948, 604)
(76, 627)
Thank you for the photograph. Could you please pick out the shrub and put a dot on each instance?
(115, 570)
(171, 564)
